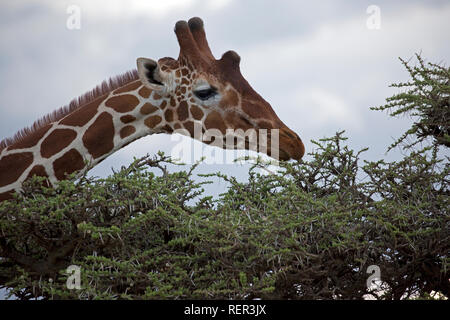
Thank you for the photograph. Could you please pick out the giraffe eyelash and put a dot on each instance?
(206, 93)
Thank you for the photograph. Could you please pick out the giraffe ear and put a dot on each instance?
(149, 73)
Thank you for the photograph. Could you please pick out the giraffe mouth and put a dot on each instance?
(283, 155)
(291, 146)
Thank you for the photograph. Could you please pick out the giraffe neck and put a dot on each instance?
(82, 138)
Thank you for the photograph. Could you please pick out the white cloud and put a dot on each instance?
(350, 43)
(218, 4)
(114, 9)
(321, 107)
(122, 10)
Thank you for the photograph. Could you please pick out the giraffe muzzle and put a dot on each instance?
(291, 146)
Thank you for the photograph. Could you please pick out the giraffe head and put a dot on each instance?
(202, 92)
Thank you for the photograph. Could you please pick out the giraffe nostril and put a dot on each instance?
(290, 135)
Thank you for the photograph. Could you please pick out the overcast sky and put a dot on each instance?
(316, 62)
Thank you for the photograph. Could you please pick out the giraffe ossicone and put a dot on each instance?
(194, 94)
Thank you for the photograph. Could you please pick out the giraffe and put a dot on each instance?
(193, 91)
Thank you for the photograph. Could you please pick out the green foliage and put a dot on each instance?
(427, 99)
(310, 230)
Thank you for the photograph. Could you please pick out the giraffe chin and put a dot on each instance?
(285, 155)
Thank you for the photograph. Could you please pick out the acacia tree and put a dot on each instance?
(427, 99)
(308, 231)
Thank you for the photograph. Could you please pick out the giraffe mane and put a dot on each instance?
(104, 88)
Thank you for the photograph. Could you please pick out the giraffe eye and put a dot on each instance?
(205, 94)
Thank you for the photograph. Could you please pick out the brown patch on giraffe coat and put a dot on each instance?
(98, 138)
(70, 162)
(167, 128)
(265, 124)
(56, 141)
(39, 171)
(168, 115)
(122, 104)
(214, 121)
(196, 112)
(163, 105)
(6, 195)
(177, 126)
(156, 96)
(145, 92)
(129, 87)
(126, 131)
(82, 115)
(252, 109)
(32, 139)
(183, 111)
(184, 81)
(152, 121)
(230, 99)
(185, 71)
(148, 108)
(189, 126)
(13, 165)
(173, 103)
(127, 118)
